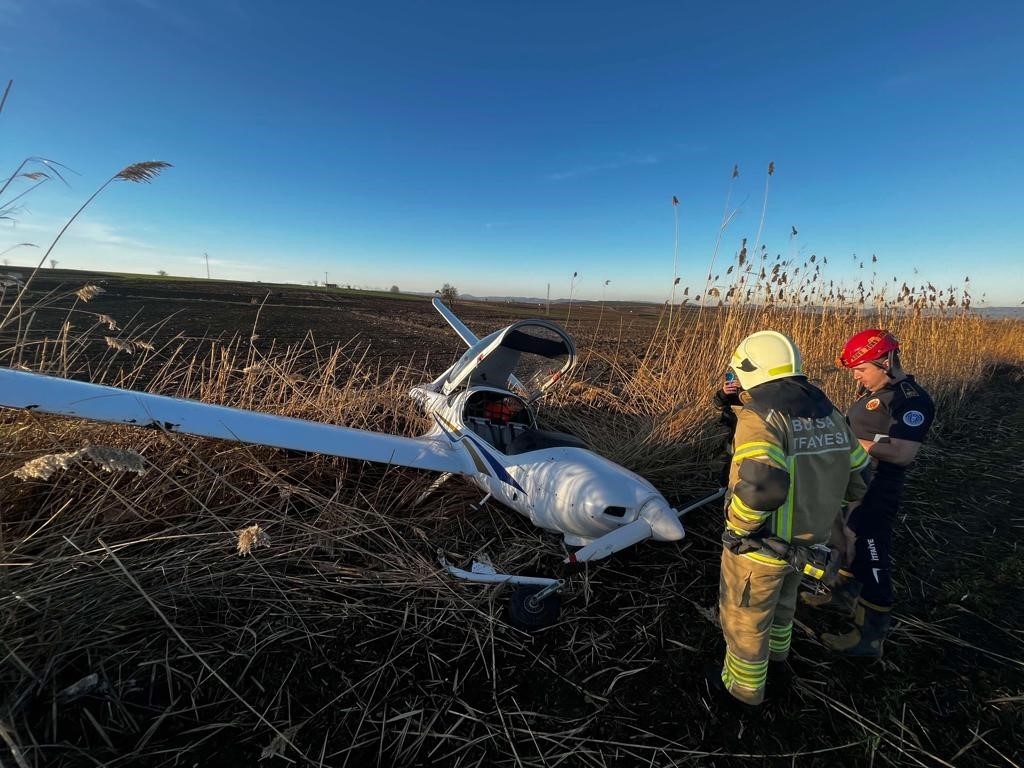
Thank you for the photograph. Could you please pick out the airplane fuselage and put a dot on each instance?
(548, 477)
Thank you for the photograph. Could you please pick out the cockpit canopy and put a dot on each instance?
(527, 357)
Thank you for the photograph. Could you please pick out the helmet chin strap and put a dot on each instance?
(892, 368)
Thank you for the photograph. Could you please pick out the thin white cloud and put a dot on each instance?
(102, 234)
(614, 165)
(83, 232)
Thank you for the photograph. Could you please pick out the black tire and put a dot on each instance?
(524, 614)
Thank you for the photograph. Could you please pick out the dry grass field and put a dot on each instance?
(133, 633)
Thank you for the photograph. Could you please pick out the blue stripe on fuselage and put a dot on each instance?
(497, 466)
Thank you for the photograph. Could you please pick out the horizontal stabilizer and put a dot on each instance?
(467, 335)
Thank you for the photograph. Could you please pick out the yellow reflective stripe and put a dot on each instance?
(858, 457)
(747, 513)
(745, 673)
(734, 529)
(787, 368)
(746, 680)
(748, 667)
(780, 638)
(752, 450)
(784, 515)
(749, 518)
(763, 558)
(814, 572)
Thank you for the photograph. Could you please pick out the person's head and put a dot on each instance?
(765, 356)
(873, 357)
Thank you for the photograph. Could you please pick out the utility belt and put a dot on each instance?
(817, 561)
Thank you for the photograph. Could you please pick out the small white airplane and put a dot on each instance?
(484, 429)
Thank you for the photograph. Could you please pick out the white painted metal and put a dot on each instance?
(490, 576)
(48, 394)
(457, 325)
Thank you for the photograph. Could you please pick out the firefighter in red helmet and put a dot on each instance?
(891, 417)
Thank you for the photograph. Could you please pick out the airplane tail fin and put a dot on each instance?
(464, 332)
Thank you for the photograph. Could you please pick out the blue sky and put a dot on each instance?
(503, 147)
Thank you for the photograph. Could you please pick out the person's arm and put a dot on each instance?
(892, 449)
(758, 477)
(728, 395)
(855, 486)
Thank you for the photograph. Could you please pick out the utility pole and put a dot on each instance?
(325, 279)
(207, 257)
(548, 310)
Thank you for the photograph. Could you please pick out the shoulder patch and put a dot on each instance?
(872, 404)
(908, 389)
(913, 418)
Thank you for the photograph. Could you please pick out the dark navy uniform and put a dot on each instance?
(901, 410)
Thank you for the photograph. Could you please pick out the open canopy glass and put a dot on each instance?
(528, 357)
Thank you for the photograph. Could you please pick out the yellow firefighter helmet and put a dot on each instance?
(765, 356)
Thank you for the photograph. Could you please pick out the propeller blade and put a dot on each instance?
(613, 541)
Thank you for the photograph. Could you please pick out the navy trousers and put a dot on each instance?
(872, 521)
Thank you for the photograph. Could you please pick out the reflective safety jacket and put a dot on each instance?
(795, 462)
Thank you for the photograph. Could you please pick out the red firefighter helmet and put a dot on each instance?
(866, 347)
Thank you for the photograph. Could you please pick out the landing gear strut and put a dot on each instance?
(534, 605)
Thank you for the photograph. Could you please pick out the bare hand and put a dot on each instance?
(731, 387)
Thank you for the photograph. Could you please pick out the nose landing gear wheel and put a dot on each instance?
(528, 613)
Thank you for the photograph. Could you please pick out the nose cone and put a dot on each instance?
(665, 523)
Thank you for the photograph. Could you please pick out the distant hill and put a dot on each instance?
(535, 300)
(1013, 313)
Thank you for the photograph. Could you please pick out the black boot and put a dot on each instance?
(871, 625)
(840, 598)
(721, 699)
(779, 680)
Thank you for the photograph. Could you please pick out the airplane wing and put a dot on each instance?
(467, 335)
(64, 397)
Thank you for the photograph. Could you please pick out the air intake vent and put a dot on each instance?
(615, 511)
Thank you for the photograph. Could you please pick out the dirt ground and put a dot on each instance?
(400, 329)
(949, 691)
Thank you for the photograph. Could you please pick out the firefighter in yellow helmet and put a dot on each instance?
(795, 462)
